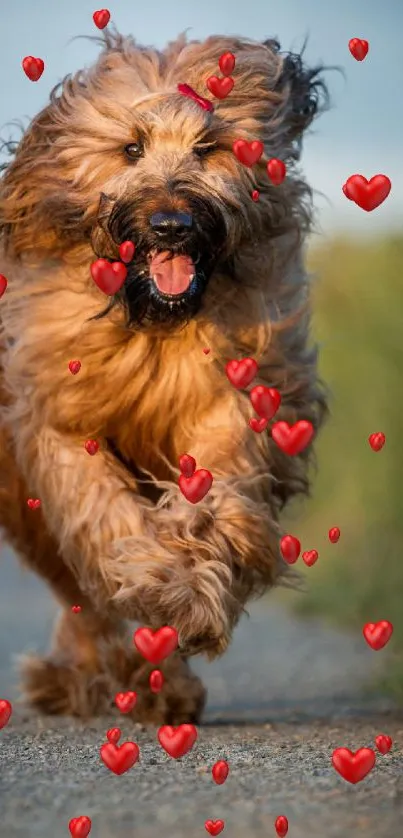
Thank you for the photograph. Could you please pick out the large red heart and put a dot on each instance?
(353, 767)
(248, 153)
(3, 285)
(241, 373)
(80, 827)
(383, 743)
(358, 48)
(226, 63)
(195, 488)
(5, 712)
(290, 548)
(214, 827)
(220, 88)
(292, 439)
(220, 772)
(109, 276)
(33, 67)
(155, 646)
(266, 401)
(177, 741)
(119, 759)
(378, 634)
(101, 18)
(125, 701)
(367, 194)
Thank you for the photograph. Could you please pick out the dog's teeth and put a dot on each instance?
(191, 277)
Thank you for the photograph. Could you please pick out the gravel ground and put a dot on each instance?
(280, 701)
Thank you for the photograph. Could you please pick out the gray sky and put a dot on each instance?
(361, 134)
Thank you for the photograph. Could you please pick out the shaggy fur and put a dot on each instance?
(113, 532)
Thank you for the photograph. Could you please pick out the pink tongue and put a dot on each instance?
(172, 275)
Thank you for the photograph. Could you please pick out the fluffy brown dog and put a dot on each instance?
(120, 154)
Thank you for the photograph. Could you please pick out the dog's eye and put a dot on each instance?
(202, 150)
(134, 151)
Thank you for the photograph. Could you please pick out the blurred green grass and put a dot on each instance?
(358, 321)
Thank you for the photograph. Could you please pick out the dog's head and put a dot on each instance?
(120, 154)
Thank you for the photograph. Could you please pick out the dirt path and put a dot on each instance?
(284, 697)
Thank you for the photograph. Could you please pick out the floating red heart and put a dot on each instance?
(220, 771)
(177, 741)
(33, 67)
(255, 195)
(80, 827)
(156, 681)
(125, 701)
(119, 759)
(367, 194)
(377, 441)
(258, 425)
(74, 367)
(220, 88)
(310, 557)
(353, 767)
(33, 503)
(3, 285)
(265, 400)
(157, 645)
(378, 634)
(206, 350)
(113, 735)
(358, 48)
(109, 276)
(383, 743)
(290, 548)
(126, 251)
(241, 373)
(248, 153)
(292, 439)
(101, 18)
(334, 535)
(214, 827)
(226, 63)
(91, 446)
(276, 171)
(76, 609)
(195, 488)
(5, 712)
(187, 465)
(281, 826)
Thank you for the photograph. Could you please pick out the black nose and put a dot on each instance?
(171, 225)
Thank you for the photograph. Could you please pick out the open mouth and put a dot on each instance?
(172, 274)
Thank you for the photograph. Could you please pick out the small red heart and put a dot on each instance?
(126, 251)
(353, 767)
(155, 646)
(258, 425)
(241, 373)
(220, 88)
(248, 153)
(214, 827)
(113, 735)
(119, 759)
(196, 487)
(91, 446)
(125, 701)
(367, 194)
(220, 772)
(3, 285)
(226, 63)
(383, 743)
(377, 441)
(358, 48)
(310, 557)
(334, 535)
(74, 367)
(76, 609)
(33, 503)
(101, 18)
(5, 712)
(33, 67)
(177, 741)
(281, 826)
(187, 465)
(108, 276)
(292, 439)
(206, 350)
(80, 827)
(276, 171)
(378, 634)
(265, 400)
(255, 195)
(290, 548)
(156, 681)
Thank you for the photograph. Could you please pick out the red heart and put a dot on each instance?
(33, 503)
(266, 401)
(33, 67)
(292, 439)
(220, 772)
(91, 446)
(367, 194)
(76, 609)
(125, 701)
(156, 681)
(155, 646)
(101, 18)
(255, 195)
(383, 743)
(214, 827)
(276, 171)
(109, 276)
(206, 350)
(310, 557)
(377, 441)
(113, 735)
(74, 367)
(5, 712)
(195, 488)
(220, 88)
(353, 767)
(258, 425)
(290, 548)
(3, 285)
(241, 373)
(119, 759)
(281, 826)
(80, 827)
(187, 465)
(378, 634)
(248, 153)
(126, 251)
(226, 63)
(334, 535)
(358, 48)
(177, 741)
